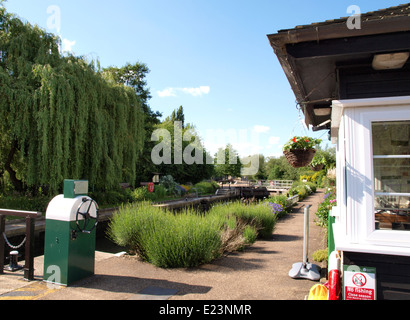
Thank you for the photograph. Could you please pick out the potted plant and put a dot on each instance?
(318, 163)
(300, 151)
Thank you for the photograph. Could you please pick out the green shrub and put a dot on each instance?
(141, 194)
(320, 255)
(324, 207)
(159, 192)
(164, 239)
(188, 239)
(258, 216)
(206, 187)
(172, 187)
(23, 203)
(250, 234)
(281, 200)
(185, 240)
(112, 198)
(303, 189)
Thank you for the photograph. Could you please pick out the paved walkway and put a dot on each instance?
(258, 273)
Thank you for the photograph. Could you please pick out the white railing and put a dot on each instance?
(278, 184)
(293, 200)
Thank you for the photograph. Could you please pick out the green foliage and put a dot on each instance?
(325, 206)
(25, 203)
(305, 178)
(280, 169)
(258, 216)
(317, 160)
(206, 187)
(282, 201)
(143, 194)
(320, 255)
(112, 198)
(250, 234)
(171, 186)
(303, 189)
(188, 239)
(227, 162)
(301, 143)
(189, 144)
(177, 115)
(61, 117)
(164, 239)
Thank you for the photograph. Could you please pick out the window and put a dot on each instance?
(373, 211)
(391, 164)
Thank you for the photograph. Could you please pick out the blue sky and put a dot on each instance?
(210, 56)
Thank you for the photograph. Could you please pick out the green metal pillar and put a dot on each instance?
(330, 236)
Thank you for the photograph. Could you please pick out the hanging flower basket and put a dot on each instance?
(318, 163)
(299, 158)
(300, 151)
(317, 168)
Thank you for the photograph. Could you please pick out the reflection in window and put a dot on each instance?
(391, 154)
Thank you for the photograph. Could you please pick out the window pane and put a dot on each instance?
(392, 212)
(391, 138)
(392, 175)
(391, 149)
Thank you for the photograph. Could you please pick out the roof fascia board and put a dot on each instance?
(347, 46)
(340, 30)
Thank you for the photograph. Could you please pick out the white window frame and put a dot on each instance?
(355, 222)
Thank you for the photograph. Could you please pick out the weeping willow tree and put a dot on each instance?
(60, 117)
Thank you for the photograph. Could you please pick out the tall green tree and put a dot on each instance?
(60, 118)
(227, 162)
(134, 76)
(187, 161)
(177, 115)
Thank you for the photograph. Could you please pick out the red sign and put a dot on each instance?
(151, 187)
(360, 285)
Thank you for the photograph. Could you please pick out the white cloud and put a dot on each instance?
(261, 129)
(197, 91)
(172, 92)
(67, 45)
(247, 148)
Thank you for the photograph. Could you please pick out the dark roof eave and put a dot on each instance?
(325, 31)
(318, 32)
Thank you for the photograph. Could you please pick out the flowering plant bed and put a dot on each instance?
(300, 151)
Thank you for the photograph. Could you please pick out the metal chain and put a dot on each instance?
(10, 245)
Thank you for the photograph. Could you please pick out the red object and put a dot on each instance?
(151, 187)
(334, 285)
